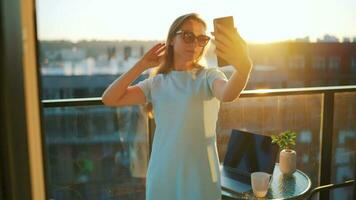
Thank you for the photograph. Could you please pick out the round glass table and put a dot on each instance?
(295, 186)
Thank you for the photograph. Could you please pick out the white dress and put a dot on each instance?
(184, 163)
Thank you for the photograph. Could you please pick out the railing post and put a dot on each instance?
(327, 128)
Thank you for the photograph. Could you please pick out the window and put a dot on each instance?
(353, 64)
(296, 62)
(319, 62)
(334, 63)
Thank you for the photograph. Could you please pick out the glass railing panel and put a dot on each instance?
(344, 144)
(96, 152)
(272, 115)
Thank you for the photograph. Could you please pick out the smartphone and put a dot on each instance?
(228, 22)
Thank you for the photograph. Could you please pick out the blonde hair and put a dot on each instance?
(167, 63)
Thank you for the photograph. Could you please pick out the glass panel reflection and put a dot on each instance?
(272, 115)
(344, 144)
(96, 152)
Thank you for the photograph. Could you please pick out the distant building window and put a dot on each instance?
(295, 83)
(319, 62)
(333, 82)
(80, 92)
(296, 62)
(317, 83)
(353, 64)
(334, 63)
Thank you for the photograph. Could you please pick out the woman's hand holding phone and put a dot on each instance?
(230, 47)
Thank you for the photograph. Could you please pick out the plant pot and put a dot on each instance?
(287, 161)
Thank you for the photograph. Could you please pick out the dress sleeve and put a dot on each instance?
(146, 87)
(212, 75)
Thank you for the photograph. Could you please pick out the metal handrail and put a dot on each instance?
(246, 93)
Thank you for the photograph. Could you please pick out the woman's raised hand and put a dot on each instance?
(232, 48)
(153, 57)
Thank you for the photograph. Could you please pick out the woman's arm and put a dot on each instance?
(232, 48)
(119, 93)
(227, 91)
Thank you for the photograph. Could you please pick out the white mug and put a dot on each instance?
(260, 183)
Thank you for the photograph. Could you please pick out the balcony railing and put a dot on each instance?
(327, 118)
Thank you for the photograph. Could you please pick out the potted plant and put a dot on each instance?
(287, 156)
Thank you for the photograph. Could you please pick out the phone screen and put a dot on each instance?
(226, 22)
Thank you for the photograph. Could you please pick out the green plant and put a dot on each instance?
(285, 140)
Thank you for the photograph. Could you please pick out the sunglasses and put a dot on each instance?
(189, 37)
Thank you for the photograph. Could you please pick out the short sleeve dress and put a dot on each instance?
(184, 163)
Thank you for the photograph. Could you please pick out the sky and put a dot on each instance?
(257, 21)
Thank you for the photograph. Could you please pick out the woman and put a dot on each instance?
(184, 163)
